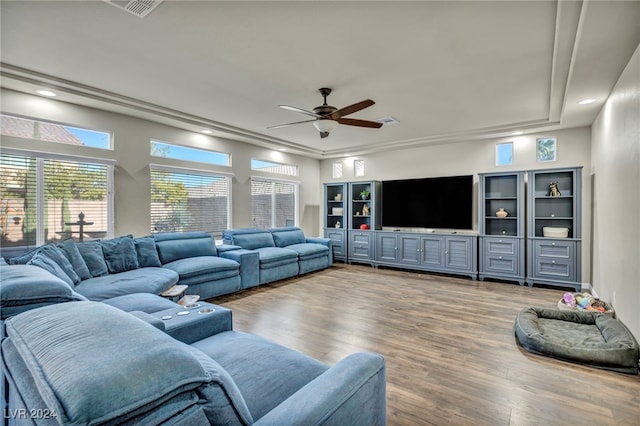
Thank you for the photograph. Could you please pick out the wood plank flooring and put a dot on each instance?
(449, 345)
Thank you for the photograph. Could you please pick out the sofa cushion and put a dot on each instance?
(144, 302)
(70, 250)
(147, 252)
(57, 255)
(143, 280)
(284, 237)
(43, 261)
(27, 287)
(251, 239)
(180, 245)
(23, 258)
(213, 267)
(256, 364)
(91, 252)
(273, 256)
(308, 251)
(120, 254)
(102, 388)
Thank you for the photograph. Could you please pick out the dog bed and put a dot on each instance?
(588, 338)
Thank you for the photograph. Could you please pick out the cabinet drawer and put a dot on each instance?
(554, 248)
(501, 263)
(501, 246)
(360, 245)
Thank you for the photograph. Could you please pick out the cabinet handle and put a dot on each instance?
(553, 262)
(499, 241)
(553, 244)
(500, 257)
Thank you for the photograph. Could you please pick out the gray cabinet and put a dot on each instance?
(447, 253)
(336, 208)
(554, 227)
(501, 222)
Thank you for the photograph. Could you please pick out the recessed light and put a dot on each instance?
(282, 149)
(517, 132)
(586, 101)
(47, 93)
(207, 132)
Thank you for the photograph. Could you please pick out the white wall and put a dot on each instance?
(478, 156)
(615, 174)
(131, 153)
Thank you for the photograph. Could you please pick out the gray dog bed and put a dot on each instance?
(596, 340)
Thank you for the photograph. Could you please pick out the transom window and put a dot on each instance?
(177, 152)
(53, 132)
(277, 168)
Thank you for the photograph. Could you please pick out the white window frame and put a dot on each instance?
(40, 201)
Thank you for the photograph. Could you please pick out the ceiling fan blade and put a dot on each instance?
(359, 123)
(303, 111)
(290, 124)
(352, 108)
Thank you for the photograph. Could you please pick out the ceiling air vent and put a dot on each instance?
(387, 120)
(140, 8)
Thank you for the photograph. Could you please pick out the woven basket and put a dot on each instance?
(608, 308)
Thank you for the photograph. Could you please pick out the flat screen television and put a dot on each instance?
(439, 202)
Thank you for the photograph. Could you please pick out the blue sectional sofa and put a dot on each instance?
(101, 270)
(60, 365)
(283, 252)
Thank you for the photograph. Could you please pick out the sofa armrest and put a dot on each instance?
(226, 247)
(352, 392)
(319, 240)
(156, 322)
(249, 261)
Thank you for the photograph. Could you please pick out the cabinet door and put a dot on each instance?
(458, 252)
(409, 249)
(386, 247)
(432, 251)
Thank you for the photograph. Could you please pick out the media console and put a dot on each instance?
(443, 252)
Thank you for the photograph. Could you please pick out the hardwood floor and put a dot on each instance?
(449, 346)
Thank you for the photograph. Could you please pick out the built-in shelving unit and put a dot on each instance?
(336, 208)
(501, 227)
(364, 218)
(554, 259)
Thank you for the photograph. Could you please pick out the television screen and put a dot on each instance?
(441, 202)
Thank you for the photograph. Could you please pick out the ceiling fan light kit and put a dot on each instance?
(328, 117)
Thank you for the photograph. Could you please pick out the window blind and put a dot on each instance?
(182, 201)
(273, 203)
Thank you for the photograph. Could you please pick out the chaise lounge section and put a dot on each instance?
(225, 378)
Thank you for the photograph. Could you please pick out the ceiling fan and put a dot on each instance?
(327, 117)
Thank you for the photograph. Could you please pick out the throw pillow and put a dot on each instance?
(120, 254)
(70, 250)
(147, 253)
(52, 251)
(91, 252)
(48, 264)
(23, 258)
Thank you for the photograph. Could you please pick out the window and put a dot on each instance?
(273, 203)
(177, 152)
(52, 132)
(504, 154)
(189, 201)
(44, 200)
(546, 149)
(270, 167)
(337, 169)
(358, 167)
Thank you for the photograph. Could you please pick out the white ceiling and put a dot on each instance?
(447, 71)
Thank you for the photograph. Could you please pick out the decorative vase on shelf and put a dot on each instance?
(338, 197)
(338, 224)
(502, 213)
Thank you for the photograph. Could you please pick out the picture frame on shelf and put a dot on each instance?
(546, 149)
